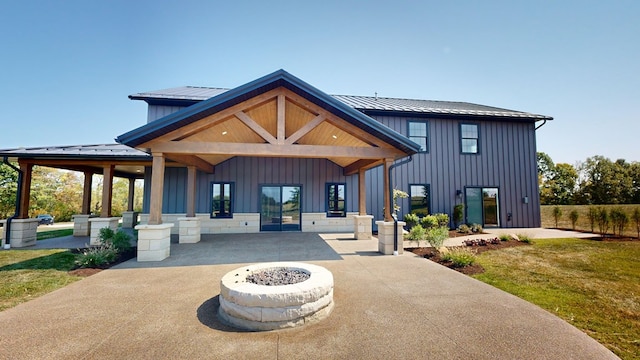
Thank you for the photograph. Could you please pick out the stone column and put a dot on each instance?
(154, 242)
(189, 230)
(81, 225)
(129, 219)
(98, 223)
(23, 232)
(385, 237)
(362, 227)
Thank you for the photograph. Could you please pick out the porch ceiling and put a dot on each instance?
(277, 123)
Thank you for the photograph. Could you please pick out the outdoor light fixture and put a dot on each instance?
(525, 199)
(334, 136)
(459, 193)
(224, 133)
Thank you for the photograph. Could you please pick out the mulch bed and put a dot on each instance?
(84, 272)
(431, 254)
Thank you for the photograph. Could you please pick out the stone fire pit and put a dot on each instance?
(250, 306)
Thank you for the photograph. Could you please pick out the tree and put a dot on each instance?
(573, 216)
(557, 214)
(557, 181)
(606, 182)
(8, 189)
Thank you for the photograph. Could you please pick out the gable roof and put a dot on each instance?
(226, 99)
(189, 95)
(95, 152)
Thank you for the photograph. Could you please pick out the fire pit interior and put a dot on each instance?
(275, 295)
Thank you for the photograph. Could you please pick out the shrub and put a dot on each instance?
(557, 214)
(636, 219)
(592, 215)
(525, 238)
(476, 228)
(464, 229)
(119, 241)
(573, 216)
(459, 257)
(458, 214)
(443, 220)
(603, 221)
(504, 237)
(429, 222)
(411, 220)
(619, 220)
(417, 234)
(436, 236)
(105, 233)
(96, 256)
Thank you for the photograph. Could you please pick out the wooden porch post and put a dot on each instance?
(107, 190)
(132, 192)
(387, 195)
(157, 185)
(86, 193)
(191, 191)
(362, 194)
(25, 193)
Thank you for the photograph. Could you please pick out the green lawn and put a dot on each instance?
(591, 284)
(43, 235)
(27, 274)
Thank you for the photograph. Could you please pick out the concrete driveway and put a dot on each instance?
(386, 307)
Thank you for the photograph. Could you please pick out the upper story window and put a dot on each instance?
(419, 134)
(336, 205)
(222, 200)
(469, 138)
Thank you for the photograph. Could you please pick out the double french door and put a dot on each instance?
(280, 207)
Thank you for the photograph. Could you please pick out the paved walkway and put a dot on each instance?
(387, 307)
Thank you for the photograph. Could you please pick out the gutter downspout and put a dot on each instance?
(393, 213)
(541, 125)
(7, 240)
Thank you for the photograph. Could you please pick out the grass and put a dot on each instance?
(583, 220)
(43, 235)
(27, 274)
(593, 285)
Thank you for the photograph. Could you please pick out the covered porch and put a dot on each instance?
(278, 118)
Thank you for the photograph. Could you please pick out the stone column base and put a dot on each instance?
(385, 237)
(129, 219)
(362, 227)
(23, 232)
(154, 242)
(189, 230)
(98, 223)
(81, 225)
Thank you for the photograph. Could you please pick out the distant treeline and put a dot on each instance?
(594, 181)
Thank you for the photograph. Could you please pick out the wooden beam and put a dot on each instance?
(132, 194)
(305, 129)
(191, 191)
(294, 151)
(363, 164)
(215, 119)
(107, 191)
(157, 186)
(192, 160)
(86, 193)
(25, 192)
(253, 125)
(362, 193)
(281, 118)
(387, 200)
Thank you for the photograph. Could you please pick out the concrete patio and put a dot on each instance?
(401, 307)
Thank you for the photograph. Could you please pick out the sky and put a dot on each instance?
(67, 67)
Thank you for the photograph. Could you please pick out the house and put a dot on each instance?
(277, 154)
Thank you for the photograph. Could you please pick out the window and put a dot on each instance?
(222, 200)
(418, 133)
(419, 199)
(469, 138)
(336, 200)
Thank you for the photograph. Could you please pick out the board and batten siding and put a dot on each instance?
(248, 173)
(155, 112)
(506, 160)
